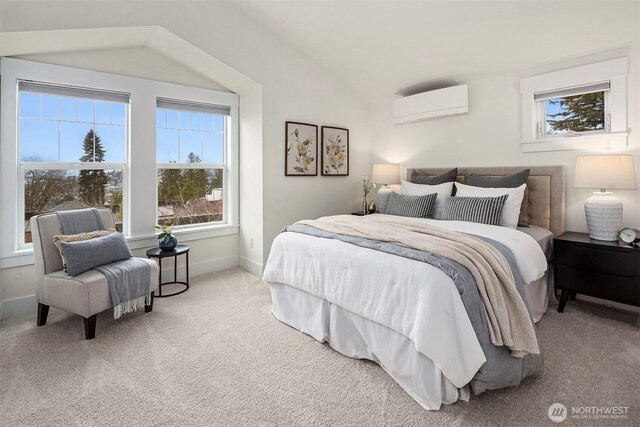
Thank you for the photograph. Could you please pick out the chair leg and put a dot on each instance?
(149, 308)
(43, 312)
(90, 326)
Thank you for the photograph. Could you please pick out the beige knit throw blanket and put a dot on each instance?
(507, 316)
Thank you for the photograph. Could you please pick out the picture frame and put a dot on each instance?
(335, 151)
(300, 149)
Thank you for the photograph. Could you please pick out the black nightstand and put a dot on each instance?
(607, 270)
(358, 213)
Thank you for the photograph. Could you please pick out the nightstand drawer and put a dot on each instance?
(615, 288)
(593, 259)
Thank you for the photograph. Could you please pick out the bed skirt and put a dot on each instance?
(359, 338)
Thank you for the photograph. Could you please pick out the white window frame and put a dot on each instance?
(69, 166)
(226, 210)
(614, 136)
(141, 158)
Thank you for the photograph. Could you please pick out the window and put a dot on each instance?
(85, 138)
(72, 146)
(577, 108)
(573, 111)
(190, 156)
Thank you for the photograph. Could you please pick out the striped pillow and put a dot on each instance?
(483, 210)
(414, 206)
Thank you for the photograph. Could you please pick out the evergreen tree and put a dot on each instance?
(92, 183)
(195, 181)
(215, 178)
(578, 113)
(170, 184)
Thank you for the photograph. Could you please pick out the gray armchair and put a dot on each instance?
(86, 294)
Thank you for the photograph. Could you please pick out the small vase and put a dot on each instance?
(372, 208)
(365, 206)
(169, 244)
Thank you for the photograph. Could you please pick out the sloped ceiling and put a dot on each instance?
(137, 61)
(384, 47)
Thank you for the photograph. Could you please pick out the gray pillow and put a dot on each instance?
(418, 178)
(508, 181)
(84, 255)
(483, 210)
(414, 206)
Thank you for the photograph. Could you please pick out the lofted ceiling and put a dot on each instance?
(138, 61)
(384, 47)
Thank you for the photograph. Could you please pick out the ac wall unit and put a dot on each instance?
(449, 101)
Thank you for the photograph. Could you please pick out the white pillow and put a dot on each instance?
(444, 190)
(511, 209)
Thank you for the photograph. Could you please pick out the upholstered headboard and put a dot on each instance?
(546, 191)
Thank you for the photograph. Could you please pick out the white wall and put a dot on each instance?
(490, 135)
(293, 88)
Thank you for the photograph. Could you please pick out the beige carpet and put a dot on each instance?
(216, 356)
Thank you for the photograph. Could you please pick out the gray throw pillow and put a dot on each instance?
(508, 181)
(413, 206)
(418, 178)
(84, 255)
(483, 210)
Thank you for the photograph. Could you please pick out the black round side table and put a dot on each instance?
(179, 250)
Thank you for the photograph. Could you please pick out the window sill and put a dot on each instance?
(186, 235)
(616, 140)
(17, 259)
(24, 257)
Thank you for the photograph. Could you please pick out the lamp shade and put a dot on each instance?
(386, 174)
(610, 171)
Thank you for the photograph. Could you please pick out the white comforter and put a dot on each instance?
(412, 298)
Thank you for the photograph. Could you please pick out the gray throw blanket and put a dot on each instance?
(80, 221)
(501, 369)
(129, 280)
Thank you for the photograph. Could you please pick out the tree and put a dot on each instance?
(41, 187)
(116, 205)
(184, 191)
(195, 181)
(169, 185)
(215, 178)
(578, 113)
(116, 201)
(92, 183)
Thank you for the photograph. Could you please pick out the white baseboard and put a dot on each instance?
(28, 304)
(198, 268)
(251, 266)
(18, 306)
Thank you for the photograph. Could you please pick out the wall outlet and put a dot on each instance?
(251, 243)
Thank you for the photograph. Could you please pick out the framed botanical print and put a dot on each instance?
(335, 151)
(301, 149)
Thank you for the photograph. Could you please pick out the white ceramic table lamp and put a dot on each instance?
(603, 209)
(385, 175)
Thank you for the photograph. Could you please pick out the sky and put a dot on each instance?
(552, 107)
(180, 133)
(52, 129)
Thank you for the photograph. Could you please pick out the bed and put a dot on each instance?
(409, 316)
